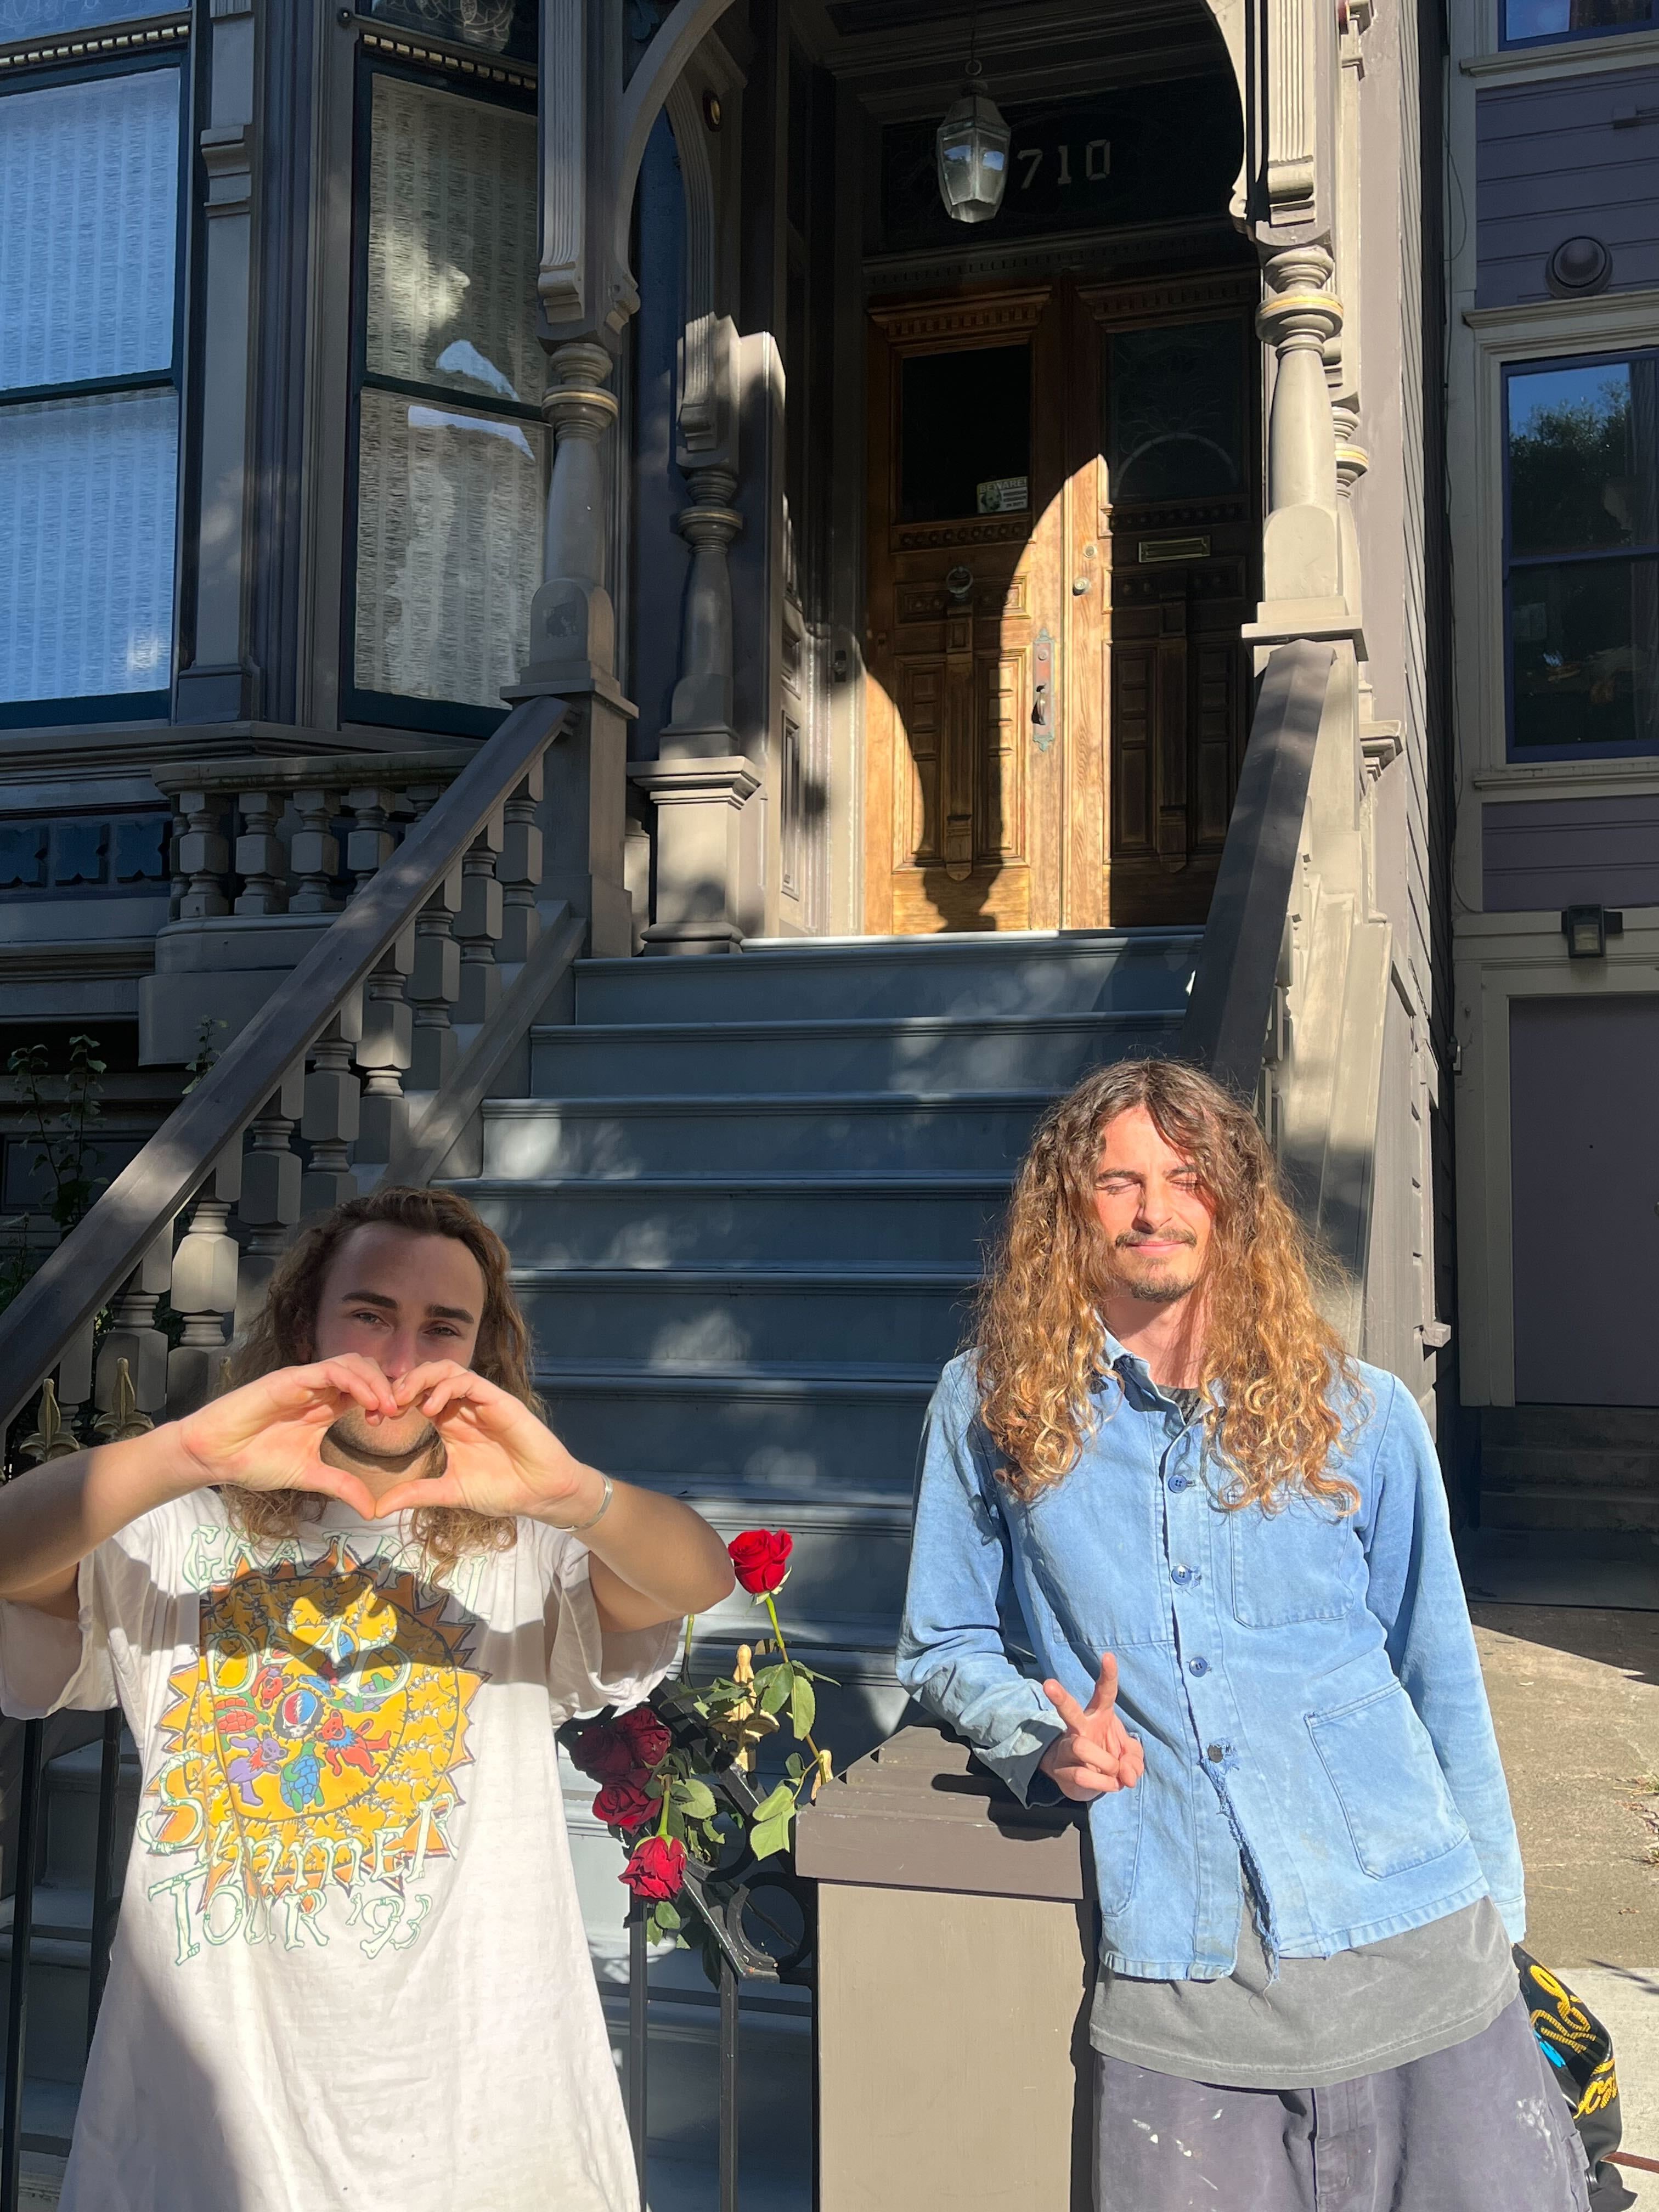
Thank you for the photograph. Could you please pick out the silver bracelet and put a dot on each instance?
(577, 1527)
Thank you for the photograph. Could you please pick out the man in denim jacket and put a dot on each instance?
(1180, 1559)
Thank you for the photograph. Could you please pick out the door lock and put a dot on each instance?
(1042, 691)
(959, 581)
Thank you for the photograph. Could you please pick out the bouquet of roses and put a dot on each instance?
(669, 1798)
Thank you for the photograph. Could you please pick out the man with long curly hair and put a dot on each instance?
(343, 1607)
(1180, 1559)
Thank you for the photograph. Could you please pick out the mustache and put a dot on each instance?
(1128, 1241)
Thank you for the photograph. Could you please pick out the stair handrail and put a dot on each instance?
(77, 1279)
(1230, 1009)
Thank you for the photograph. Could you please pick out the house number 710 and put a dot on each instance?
(1097, 163)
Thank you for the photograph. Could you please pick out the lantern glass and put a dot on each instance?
(973, 157)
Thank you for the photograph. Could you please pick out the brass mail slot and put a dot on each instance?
(1173, 548)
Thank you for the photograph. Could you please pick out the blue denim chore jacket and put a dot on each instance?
(1305, 1685)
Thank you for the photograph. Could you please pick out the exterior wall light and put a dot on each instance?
(1587, 929)
(973, 154)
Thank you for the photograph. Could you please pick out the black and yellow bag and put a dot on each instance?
(1580, 2053)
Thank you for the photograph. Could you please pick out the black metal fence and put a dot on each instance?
(759, 1922)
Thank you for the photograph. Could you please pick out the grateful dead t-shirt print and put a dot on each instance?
(312, 1756)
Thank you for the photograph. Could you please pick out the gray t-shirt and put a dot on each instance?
(1322, 2019)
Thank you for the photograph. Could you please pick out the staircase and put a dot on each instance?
(748, 1200)
(1584, 1468)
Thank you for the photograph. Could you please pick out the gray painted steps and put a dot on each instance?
(744, 1314)
(886, 1132)
(903, 1052)
(1019, 973)
(664, 1221)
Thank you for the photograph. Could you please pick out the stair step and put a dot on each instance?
(809, 1429)
(1025, 972)
(767, 1315)
(915, 1054)
(1538, 1466)
(1572, 1428)
(1575, 1509)
(880, 1132)
(664, 1221)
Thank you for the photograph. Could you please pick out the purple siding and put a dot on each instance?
(1545, 854)
(1551, 164)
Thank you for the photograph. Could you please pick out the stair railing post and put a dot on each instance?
(478, 926)
(75, 1384)
(314, 852)
(383, 1051)
(203, 855)
(333, 1105)
(435, 979)
(132, 1336)
(261, 861)
(204, 1276)
(518, 869)
(270, 1205)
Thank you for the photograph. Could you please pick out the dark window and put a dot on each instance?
(493, 27)
(1174, 410)
(1582, 554)
(965, 434)
(450, 469)
(1526, 22)
(91, 175)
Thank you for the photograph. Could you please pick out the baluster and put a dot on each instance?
(329, 1123)
(134, 1338)
(434, 981)
(314, 853)
(518, 871)
(176, 868)
(203, 855)
(478, 926)
(204, 1270)
(75, 1383)
(271, 1196)
(384, 1049)
(260, 860)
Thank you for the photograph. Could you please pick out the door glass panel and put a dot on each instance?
(44, 19)
(1585, 641)
(495, 27)
(1566, 19)
(451, 508)
(1583, 450)
(965, 434)
(1175, 412)
(452, 244)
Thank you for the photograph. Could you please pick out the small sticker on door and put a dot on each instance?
(1004, 494)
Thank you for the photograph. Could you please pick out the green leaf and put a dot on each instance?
(775, 1695)
(768, 1837)
(802, 1706)
(694, 1798)
(793, 1767)
(777, 1803)
(665, 1917)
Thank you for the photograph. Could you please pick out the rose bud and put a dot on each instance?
(656, 1868)
(604, 1754)
(760, 1559)
(649, 1738)
(623, 1805)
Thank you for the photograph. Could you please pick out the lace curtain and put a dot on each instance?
(89, 481)
(450, 497)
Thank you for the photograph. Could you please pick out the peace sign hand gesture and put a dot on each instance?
(1097, 1754)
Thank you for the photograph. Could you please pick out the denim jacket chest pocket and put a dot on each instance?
(1094, 1547)
(1304, 1561)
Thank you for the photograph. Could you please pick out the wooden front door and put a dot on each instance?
(1052, 740)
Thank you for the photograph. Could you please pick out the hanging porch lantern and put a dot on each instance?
(973, 154)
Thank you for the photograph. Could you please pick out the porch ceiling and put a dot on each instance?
(1029, 48)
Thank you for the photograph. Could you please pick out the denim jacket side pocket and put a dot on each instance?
(1380, 1762)
(1116, 1822)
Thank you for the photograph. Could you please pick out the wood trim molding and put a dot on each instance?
(918, 326)
(1168, 299)
(455, 60)
(1570, 58)
(143, 37)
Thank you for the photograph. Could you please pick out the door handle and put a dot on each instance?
(1041, 709)
(1042, 691)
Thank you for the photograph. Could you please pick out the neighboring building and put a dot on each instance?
(1553, 249)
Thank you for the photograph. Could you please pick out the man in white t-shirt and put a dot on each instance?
(343, 1607)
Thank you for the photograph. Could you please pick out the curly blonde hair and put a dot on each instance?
(283, 1334)
(1270, 1365)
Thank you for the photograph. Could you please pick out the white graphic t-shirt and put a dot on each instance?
(351, 1970)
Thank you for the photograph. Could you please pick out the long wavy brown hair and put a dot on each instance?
(1273, 1371)
(284, 1335)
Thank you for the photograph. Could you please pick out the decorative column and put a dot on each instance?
(205, 1272)
(700, 780)
(572, 655)
(1301, 554)
(132, 1337)
(269, 1205)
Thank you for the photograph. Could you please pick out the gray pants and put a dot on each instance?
(1480, 2128)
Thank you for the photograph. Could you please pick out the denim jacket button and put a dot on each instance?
(1181, 1482)
(1182, 1576)
(1215, 1752)
(1198, 1666)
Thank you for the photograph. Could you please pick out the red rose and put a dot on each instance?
(761, 1556)
(604, 1754)
(656, 1868)
(624, 1805)
(649, 1739)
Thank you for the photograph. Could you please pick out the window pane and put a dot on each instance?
(1175, 406)
(965, 434)
(87, 499)
(451, 507)
(1583, 451)
(39, 19)
(89, 175)
(1561, 19)
(497, 26)
(1584, 638)
(452, 244)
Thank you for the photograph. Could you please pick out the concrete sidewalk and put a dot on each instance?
(1575, 1698)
